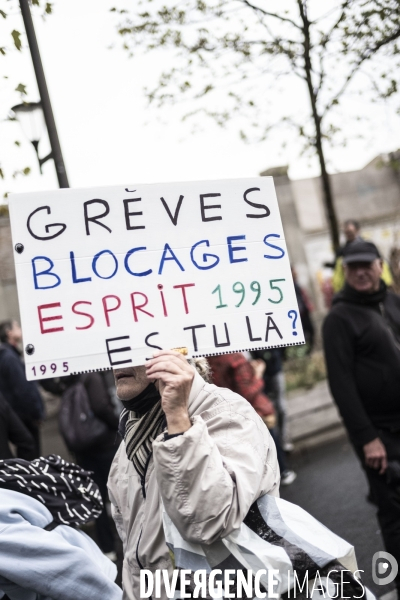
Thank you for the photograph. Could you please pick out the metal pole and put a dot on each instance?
(44, 95)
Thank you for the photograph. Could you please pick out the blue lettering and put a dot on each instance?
(45, 272)
(281, 250)
(167, 248)
(73, 269)
(232, 249)
(205, 256)
(128, 254)
(94, 264)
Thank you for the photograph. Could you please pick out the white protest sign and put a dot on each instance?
(107, 275)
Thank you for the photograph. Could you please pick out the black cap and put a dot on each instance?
(360, 251)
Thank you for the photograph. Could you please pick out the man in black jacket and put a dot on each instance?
(22, 395)
(362, 348)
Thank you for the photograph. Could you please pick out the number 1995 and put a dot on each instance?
(51, 369)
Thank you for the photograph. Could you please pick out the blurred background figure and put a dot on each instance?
(98, 455)
(235, 372)
(351, 230)
(13, 430)
(305, 309)
(275, 388)
(23, 396)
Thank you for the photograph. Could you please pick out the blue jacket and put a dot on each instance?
(62, 564)
(22, 395)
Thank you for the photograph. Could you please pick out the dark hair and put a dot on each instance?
(353, 222)
(5, 327)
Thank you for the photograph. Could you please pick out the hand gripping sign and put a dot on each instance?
(107, 275)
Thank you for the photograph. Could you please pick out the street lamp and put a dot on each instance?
(45, 103)
(30, 117)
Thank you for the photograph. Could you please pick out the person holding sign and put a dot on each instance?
(200, 452)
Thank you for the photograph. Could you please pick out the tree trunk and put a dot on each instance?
(325, 179)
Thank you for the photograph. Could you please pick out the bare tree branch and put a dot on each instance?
(238, 54)
(365, 56)
(270, 14)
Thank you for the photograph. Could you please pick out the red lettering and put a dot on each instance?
(136, 307)
(54, 318)
(160, 287)
(77, 312)
(110, 309)
(183, 286)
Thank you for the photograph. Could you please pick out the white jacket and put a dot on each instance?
(207, 480)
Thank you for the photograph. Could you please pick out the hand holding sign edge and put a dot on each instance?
(175, 377)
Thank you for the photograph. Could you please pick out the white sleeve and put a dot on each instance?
(210, 476)
(46, 563)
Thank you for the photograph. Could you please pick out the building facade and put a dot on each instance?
(370, 195)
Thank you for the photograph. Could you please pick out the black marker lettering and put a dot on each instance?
(251, 338)
(174, 218)
(265, 208)
(115, 350)
(95, 218)
(146, 341)
(193, 328)
(221, 344)
(204, 207)
(131, 214)
(47, 228)
(271, 326)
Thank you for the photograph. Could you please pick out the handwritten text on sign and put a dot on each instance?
(107, 275)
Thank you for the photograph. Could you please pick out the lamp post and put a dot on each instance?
(30, 117)
(45, 103)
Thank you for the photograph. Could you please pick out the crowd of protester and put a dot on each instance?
(144, 441)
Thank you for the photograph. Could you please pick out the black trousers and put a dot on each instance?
(100, 464)
(282, 462)
(387, 496)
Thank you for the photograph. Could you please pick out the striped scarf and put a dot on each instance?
(140, 432)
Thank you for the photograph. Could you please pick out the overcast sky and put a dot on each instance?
(109, 135)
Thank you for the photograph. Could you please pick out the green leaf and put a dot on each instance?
(3, 51)
(21, 88)
(35, 2)
(49, 8)
(3, 14)
(24, 172)
(16, 36)
(1, 173)
(17, 143)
